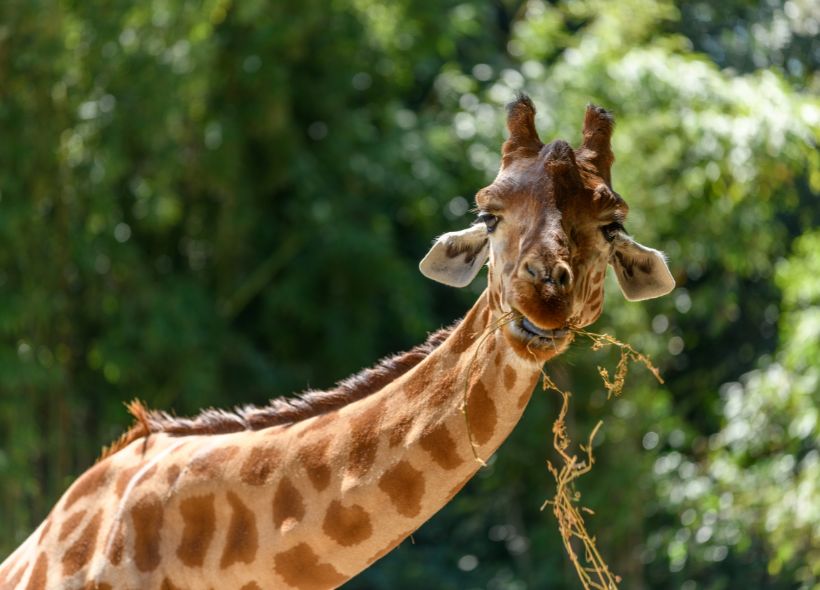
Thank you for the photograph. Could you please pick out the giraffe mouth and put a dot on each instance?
(532, 334)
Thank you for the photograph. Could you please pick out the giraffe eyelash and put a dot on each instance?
(610, 230)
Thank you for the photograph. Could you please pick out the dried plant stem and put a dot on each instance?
(628, 353)
(592, 569)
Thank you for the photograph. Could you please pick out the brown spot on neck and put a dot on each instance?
(510, 377)
(251, 586)
(467, 332)
(79, 554)
(117, 547)
(199, 518)
(399, 429)
(172, 474)
(46, 528)
(39, 574)
(88, 483)
(70, 524)
(127, 475)
(242, 541)
(404, 485)
(433, 381)
(288, 505)
(15, 578)
(210, 464)
(5, 569)
(441, 447)
(124, 478)
(147, 475)
(347, 525)
(300, 568)
(421, 380)
(259, 466)
(169, 585)
(482, 415)
(318, 423)
(597, 299)
(147, 516)
(490, 344)
(312, 456)
(364, 439)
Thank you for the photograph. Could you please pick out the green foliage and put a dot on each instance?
(215, 203)
(760, 482)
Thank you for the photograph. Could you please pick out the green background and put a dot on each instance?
(216, 202)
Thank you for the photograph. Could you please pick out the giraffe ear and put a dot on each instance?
(456, 257)
(642, 272)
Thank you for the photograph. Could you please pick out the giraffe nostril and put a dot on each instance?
(562, 276)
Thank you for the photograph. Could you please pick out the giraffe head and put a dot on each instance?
(548, 225)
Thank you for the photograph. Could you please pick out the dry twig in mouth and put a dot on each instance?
(592, 570)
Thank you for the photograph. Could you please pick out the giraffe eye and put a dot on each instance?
(490, 220)
(611, 230)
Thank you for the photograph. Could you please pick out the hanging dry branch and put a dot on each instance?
(592, 569)
(628, 353)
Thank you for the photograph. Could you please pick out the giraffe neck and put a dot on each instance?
(400, 455)
(304, 506)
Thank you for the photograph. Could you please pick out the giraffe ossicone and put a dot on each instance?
(307, 492)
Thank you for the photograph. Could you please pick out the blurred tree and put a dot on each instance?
(759, 488)
(746, 35)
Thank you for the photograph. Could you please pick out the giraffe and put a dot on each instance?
(305, 493)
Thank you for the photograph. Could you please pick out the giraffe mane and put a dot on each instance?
(282, 410)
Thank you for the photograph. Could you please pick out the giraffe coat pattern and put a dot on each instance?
(306, 493)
